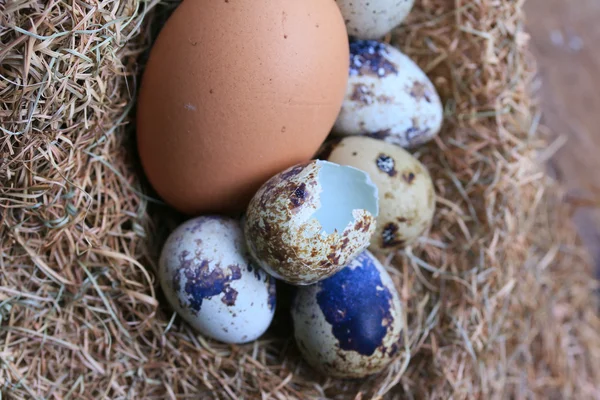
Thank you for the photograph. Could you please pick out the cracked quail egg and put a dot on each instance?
(406, 192)
(207, 277)
(309, 221)
(388, 97)
(349, 325)
(372, 19)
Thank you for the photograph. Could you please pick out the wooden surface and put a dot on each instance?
(566, 40)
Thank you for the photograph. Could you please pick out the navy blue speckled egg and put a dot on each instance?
(350, 325)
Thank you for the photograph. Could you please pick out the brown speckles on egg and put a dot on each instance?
(345, 243)
(383, 99)
(408, 177)
(381, 134)
(362, 95)
(334, 258)
(229, 296)
(368, 221)
(298, 195)
(389, 236)
(373, 19)
(370, 58)
(290, 173)
(386, 164)
(359, 225)
(421, 91)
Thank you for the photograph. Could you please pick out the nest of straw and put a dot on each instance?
(499, 297)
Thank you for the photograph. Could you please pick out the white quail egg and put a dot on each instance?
(388, 97)
(207, 277)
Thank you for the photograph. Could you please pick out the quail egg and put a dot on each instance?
(309, 221)
(349, 325)
(207, 277)
(372, 19)
(406, 192)
(388, 97)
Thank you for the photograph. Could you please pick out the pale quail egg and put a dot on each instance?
(372, 19)
(388, 97)
(208, 279)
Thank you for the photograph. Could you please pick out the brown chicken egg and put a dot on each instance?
(234, 92)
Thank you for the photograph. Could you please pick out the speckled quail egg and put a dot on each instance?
(309, 221)
(349, 325)
(406, 192)
(208, 279)
(388, 97)
(372, 19)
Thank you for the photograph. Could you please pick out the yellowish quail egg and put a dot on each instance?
(406, 192)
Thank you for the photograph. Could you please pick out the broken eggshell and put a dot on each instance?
(308, 222)
(349, 325)
(209, 280)
(388, 97)
(406, 191)
(372, 19)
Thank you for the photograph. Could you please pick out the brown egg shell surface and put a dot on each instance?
(235, 92)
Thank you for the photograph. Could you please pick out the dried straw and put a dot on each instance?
(499, 296)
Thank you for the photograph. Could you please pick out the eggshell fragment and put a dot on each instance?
(309, 221)
(406, 192)
(209, 280)
(349, 325)
(373, 19)
(388, 97)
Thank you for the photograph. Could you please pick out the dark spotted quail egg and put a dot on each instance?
(388, 97)
(372, 19)
(309, 221)
(208, 279)
(406, 193)
(349, 325)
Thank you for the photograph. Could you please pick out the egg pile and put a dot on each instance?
(280, 128)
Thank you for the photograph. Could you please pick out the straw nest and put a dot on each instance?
(499, 296)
